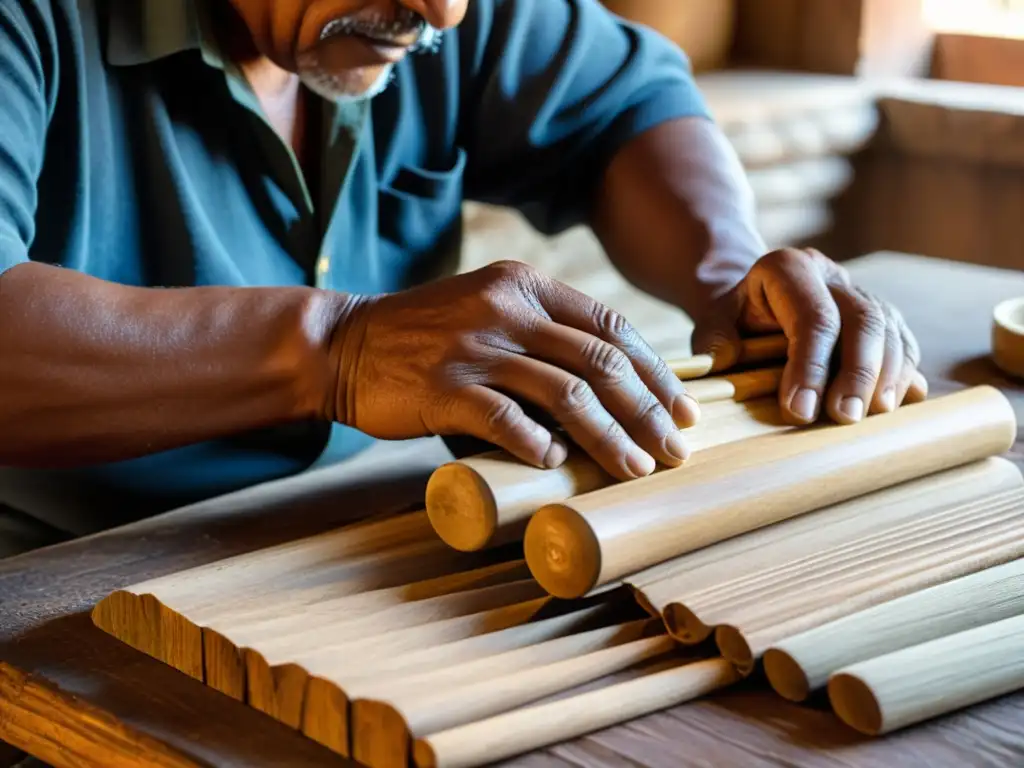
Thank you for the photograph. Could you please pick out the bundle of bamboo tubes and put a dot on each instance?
(524, 607)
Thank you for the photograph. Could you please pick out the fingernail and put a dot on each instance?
(675, 446)
(639, 463)
(685, 410)
(557, 453)
(888, 399)
(805, 404)
(852, 408)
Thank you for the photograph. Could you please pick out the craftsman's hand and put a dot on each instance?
(848, 351)
(464, 355)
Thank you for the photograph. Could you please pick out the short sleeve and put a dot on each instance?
(556, 88)
(25, 33)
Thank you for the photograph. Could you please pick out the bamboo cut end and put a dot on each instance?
(562, 552)
(423, 755)
(734, 647)
(855, 703)
(461, 507)
(683, 624)
(786, 675)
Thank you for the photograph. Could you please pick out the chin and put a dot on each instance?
(348, 85)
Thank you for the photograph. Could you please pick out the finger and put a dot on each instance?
(618, 386)
(894, 376)
(913, 386)
(572, 402)
(794, 292)
(862, 351)
(574, 309)
(717, 334)
(495, 418)
(918, 390)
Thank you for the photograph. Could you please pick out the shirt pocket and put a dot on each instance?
(420, 217)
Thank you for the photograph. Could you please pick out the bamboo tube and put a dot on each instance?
(326, 708)
(802, 664)
(923, 681)
(382, 725)
(486, 500)
(605, 535)
(760, 349)
(762, 551)
(524, 730)
(952, 544)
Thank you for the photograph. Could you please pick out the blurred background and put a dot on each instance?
(863, 125)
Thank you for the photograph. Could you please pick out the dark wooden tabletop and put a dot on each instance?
(76, 697)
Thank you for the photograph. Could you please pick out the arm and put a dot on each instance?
(91, 371)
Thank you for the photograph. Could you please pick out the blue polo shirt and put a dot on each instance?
(131, 150)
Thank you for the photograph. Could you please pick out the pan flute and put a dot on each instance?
(878, 563)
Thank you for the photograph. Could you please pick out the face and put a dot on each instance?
(346, 49)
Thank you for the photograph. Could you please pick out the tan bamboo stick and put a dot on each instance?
(762, 550)
(523, 730)
(150, 616)
(748, 595)
(326, 709)
(970, 547)
(382, 725)
(801, 665)
(914, 684)
(486, 500)
(760, 349)
(276, 682)
(605, 535)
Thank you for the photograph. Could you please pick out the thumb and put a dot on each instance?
(717, 332)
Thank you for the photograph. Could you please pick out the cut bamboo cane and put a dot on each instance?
(523, 730)
(960, 542)
(150, 616)
(326, 710)
(486, 500)
(605, 535)
(276, 683)
(751, 555)
(923, 681)
(760, 349)
(384, 725)
(801, 665)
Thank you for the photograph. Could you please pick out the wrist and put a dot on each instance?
(334, 326)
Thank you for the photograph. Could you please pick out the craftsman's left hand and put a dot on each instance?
(849, 352)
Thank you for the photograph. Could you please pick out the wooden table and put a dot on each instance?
(75, 697)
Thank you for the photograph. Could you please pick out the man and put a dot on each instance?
(228, 230)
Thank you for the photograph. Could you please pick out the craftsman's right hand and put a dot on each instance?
(460, 355)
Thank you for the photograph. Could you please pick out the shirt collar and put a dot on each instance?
(144, 31)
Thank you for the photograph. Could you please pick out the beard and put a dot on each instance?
(345, 84)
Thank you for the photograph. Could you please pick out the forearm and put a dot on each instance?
(676, 215)
(93, 371)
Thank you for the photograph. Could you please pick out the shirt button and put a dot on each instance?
(323, 265)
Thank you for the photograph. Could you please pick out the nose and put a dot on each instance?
(440, 14)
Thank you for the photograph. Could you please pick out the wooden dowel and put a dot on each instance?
(326, 710)
(938, 557)
(761, 349)
(761, 551)
(923, 681)
(606, 535)
(383, 725)
(486, 500)
(738, 387)
(760, 596)
(524, 730)
(801, 665)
